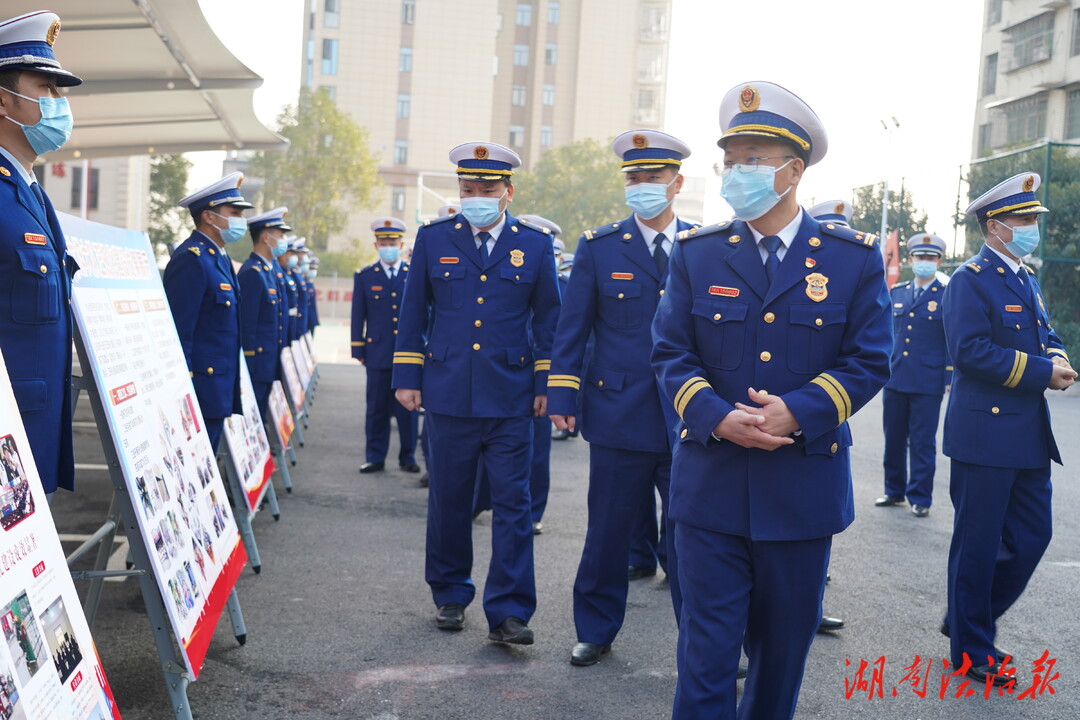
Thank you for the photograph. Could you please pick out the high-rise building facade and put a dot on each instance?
(425, 75)
(1029, 84)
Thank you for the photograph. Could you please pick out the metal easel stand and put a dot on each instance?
(240, 507)
(175, 672)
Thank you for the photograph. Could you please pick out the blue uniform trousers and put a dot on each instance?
(381, 405)
(619, 480)
(262, 397)
(649, 544)
(214, 428)
(539, 475)
(504, 446)
(911, 423)
(1001, 527)
(766, 594)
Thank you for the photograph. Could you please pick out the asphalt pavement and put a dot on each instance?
(340, 621)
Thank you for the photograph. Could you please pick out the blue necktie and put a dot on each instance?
(772, 261)
(484, 236)
(918, 293)
(39, 195)
(659, 256)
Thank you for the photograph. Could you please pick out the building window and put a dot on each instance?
(985, 139)
(551, 54)
(545, 136)
(521, 55)
(1025, 119)
(646, 99)
(1076, 33)
(1072, 115)
(549, 94)
(553, 12)
(524, 14)
(309, 64)
(332, 13)
(404, 63)
(77, 188)
(331, 91)
(403, 106)
(650, 64)
(989, 81)
(408, 12)
(398, 198)
(517, 136)
(653, 23)
(329, 56)
(1029, 42)
(401, 152)
(993, 12)
(517, 96)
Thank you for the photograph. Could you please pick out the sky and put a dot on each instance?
(855, 62)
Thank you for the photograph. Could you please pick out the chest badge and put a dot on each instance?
(517, 258)
(815, 287)
(810, 262)
(932, 306)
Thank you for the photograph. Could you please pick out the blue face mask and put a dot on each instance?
(53, 129)
(924, 269)
(1025, 239)
(293, 261)
(281, 248)
(751, 194)
(481, 211)
(389, 254)
(311, 274)
(648, 200)
(237, 228)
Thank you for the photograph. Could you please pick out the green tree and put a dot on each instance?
(903, 215)
(327, 171)
(587, 166)
(169, 222)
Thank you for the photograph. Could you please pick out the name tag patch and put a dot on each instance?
(225, 286)
(622, 276)
(449, 260)
(35, 239)
(724, 291)
(1014, 308)
(376, 287)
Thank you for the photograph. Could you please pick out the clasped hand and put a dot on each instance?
(766, 427)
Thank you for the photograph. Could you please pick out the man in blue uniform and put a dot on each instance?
(618, 278)
(911, 403)
(478, 278)
(35, 314)
(260, 315)
(289, 262)
(772, 332)
(313, 293)
(205, 299)
(378, 290)
(298, 274)
(997, 423)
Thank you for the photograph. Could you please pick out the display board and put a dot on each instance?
(301, 364)
(292, 378)
(304, 345)
(280, 413)
(249, 450)
(49, 667)
(157, 428)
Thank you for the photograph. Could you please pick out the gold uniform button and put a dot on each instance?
(1001, 270)
(479, 301)
(911, 314)
(817, 321)
(995, 410)
(228, 303)
(395, 319)
(621, 296)
(446, 274)
(765, 356)
(907, 340)
(661, 292)
(395, 332)
(369, 340)
(834, 447)
(684, 433)
(1017, 326)
(483, 278)
(905, 353)
(599, 383)
(44, 269)
(717, 316)
(1039, 322)
(260, 349)
(478, 323)
(209, 371)
(393, 294)
(476, 346)
(908, 327)
(769, 317)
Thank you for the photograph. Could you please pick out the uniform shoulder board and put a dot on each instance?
(1029, 269)
(601, 231)
(195, 250)
(852, 235)
(533, 226)
(901, 284)
(701, 231)
(437, 220)
(974, 266)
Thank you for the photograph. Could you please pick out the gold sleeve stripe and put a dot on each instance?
(836, 393)
(541, 365)
(249, 353)
(409, 354)
(1059, 351)
(686, 393)
(570, 378)
(408, 361)
(563, 384)
(1019, 365)
(357, 343)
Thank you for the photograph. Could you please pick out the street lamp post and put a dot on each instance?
(885, 192)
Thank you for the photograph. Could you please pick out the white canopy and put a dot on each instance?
(156, 79)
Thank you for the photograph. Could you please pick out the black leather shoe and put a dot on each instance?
(741, 673)
(538, 528)
(450, 617)
(424, 480)
(410, 467)
(639, 572)
(560, 434)
(998, 652)
(980, 673)
(828, 624)
(889, 500)
(372, 468)
(586, 653)
(512, 630)
(920, 510)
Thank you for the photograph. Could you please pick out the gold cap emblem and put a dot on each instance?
(1029, 182)
(839, 209)
(387, 223)
(480, 152)
(640, 141)
(54, 32)
(749, 100)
